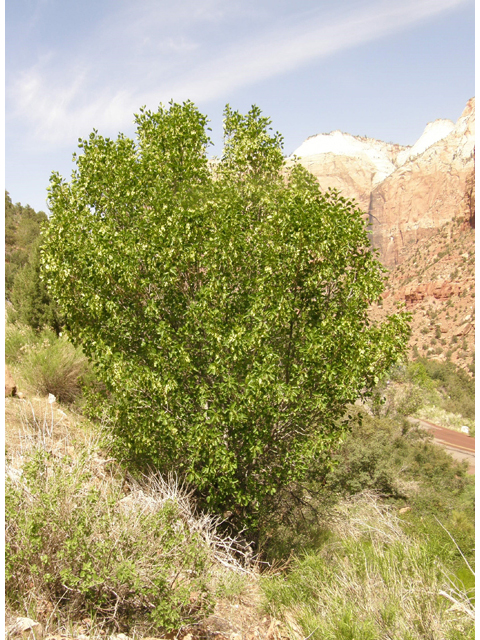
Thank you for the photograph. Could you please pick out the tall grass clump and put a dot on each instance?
(370, 582)
(77, 546)
(47, 363)
(18, 339)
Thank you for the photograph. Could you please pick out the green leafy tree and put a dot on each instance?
(223, 303)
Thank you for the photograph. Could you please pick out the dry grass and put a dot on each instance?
(33, 421)
(373, 582)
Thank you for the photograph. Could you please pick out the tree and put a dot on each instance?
(31, 301)
(224, 303)
(22, 228)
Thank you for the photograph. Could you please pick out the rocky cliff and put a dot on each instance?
(436, 283)
(420, 201)
(408, 192)
(352, 164)
(426, 191)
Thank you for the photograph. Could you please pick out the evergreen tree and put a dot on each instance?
(22, 228)
(32, 303)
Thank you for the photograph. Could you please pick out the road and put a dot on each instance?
(459, 445)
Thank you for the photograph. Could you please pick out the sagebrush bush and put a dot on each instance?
(58, 368)
(18, 338)
(79, 545)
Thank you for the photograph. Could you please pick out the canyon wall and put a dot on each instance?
(425, 192)
(407, 192)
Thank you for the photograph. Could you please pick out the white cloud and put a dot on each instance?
(288, 48)
(153, 51)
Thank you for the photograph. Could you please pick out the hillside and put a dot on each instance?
(436, 282)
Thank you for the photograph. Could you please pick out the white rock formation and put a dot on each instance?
(407, 191)
(374, 153)
(434, 131)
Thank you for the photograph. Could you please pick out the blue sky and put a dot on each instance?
(381, 68)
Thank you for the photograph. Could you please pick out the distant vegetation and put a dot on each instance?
(32, 305)
(22, 229)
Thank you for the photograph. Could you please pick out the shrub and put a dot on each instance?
(410, 401)
(18, 339)
(225, 306)
(457, 387)
(388, 456)
(83, 548)
(47, 363)
(56, 368)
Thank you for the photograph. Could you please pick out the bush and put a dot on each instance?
(457, 387)
(18, 340)
(386, 456)
(78, 547)
(390, 457)
(47, 363)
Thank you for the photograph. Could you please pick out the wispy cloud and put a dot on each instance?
(144, 55)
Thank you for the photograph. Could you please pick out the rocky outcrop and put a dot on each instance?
(434, 131)
(408, 192)
(352, 164)
(443, 290)
(425, 192)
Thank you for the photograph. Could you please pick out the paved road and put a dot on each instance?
(459, 445)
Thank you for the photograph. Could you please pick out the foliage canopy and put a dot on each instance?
(224, 303)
